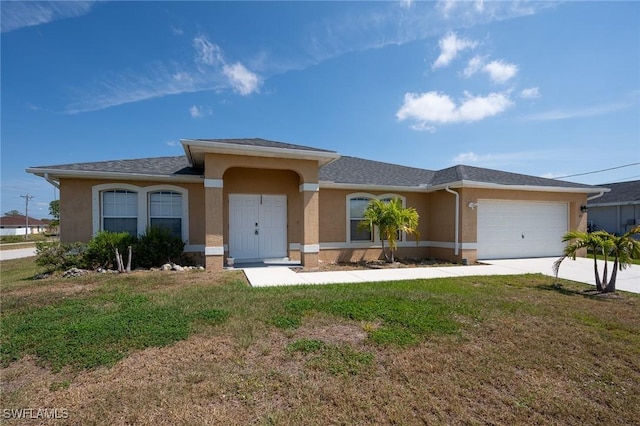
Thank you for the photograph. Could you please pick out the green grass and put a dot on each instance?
(502, 350)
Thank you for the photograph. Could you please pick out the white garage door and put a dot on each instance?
(515, 229)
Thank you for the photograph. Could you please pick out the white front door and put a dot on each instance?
(257, 226)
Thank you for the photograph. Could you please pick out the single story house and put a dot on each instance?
(254, 199)
(17, 225)
(616, 211)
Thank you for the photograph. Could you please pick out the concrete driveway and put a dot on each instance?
(580, 270)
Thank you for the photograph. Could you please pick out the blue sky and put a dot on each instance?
(541, 88)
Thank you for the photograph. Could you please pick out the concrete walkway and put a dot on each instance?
(17, 253)
(580, 270)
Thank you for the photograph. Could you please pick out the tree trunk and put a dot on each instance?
(604, 274)
(595, 268)
(129, 261)
(119, 261)
(611, 286)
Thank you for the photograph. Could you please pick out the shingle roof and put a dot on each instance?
(20, 220)
(367, 172)
(160, 166)
(263, 143)
(621, 193)
(478, 174)
(344, 170)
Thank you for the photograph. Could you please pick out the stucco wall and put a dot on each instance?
(76, 208)
(333, 212)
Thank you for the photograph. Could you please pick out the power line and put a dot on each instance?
(598, 171)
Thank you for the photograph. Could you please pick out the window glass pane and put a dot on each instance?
(165, 204)
(119, 203)
(174, 225)
(357, 207)
(129, 225)
(357, 234)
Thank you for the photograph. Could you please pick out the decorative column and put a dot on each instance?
(214, 242)
(310, 247)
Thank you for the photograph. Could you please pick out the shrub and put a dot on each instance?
(57, 256)
(101, 250)
(156, 247)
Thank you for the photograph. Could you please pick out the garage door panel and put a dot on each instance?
(513, 229)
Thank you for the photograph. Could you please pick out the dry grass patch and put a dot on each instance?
(522, 350)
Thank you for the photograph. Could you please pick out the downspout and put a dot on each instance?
(593, 197)
(51, 181)
(457, 225)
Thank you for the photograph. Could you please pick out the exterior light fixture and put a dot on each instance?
(473, 205)
(583, 209)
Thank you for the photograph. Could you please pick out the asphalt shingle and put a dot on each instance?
(622, 192)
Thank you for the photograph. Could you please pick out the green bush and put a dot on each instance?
(156, 247)
(58, 257)
(101, 250)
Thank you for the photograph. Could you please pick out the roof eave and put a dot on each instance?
(92, 174)
(195, 149)
(369, 187)
(456, 184)
(614, 203)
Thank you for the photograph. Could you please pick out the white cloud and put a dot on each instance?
(172, 143)
(551, 175)
(406, 3)
(473, 66)
(206, 52)
(450, 46)
(530, 93)
(428, 109)
(506, 159)
(466, 157)
(208, 71)
(20, 14)
(500, 71)
(200, 111)
(242, 80)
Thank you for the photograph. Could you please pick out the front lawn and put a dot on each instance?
(204, 348)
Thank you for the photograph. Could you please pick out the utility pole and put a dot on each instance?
(26, 197)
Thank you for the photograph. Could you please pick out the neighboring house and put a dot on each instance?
(257, 199)
(17, 225)
(617, 211)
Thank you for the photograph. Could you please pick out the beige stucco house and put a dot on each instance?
(254, 199)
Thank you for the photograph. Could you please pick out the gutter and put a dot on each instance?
(457, 225)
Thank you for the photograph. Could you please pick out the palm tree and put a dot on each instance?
(391, 219)
(622, 248)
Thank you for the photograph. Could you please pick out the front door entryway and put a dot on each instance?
(257, 226)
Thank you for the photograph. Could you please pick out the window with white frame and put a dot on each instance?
(357, 206)
(120, 211)
(165, 211)
(125, 207)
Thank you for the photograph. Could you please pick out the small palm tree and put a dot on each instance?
(391, 219)
(621, 248)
